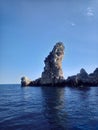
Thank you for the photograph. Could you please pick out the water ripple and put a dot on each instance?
(39, 108)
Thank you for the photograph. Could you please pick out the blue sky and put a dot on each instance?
(30, 28)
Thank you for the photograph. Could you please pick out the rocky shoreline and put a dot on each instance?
(53, 73)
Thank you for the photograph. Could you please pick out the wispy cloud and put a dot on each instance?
(70, 23)
(73, 24)
(90, 11)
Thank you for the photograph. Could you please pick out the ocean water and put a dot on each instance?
(48, 108)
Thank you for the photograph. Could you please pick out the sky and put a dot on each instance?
(30, 28)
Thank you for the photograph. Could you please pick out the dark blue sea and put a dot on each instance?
(48, 108)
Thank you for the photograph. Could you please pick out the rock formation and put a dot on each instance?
(53, 73)
(83, 78)
(79, 79)
(93, 77)
(25, 81)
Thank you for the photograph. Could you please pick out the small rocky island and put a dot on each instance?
(52, 74)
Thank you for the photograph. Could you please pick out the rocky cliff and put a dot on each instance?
(53, 73)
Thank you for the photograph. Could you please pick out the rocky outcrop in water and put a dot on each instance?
(83, 78)
(53, 73)
(25, 81)
(76, 79)
(93, 77)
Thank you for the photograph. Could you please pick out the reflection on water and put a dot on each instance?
(70, 108)
(53, 106)
(48, 108)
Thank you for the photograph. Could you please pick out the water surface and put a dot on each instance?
(48, 108)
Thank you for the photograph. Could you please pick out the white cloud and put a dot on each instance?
(73, 24)
(90, 11)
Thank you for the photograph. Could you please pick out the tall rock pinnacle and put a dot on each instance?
(53, 65)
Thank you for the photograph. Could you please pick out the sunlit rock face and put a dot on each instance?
(25, 81)
(53, 65)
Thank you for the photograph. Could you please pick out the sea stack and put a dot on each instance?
(53, 73)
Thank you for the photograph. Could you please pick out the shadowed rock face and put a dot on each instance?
(53, 65)
(77, 79)
(83, 78)
(93, 77)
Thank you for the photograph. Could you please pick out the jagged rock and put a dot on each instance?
(82, 76)
(83, 73)
(95, 73)
(53, 73)
(96, 76)
(25, 81)
(37, 82)
(71, 80)
(93, 77)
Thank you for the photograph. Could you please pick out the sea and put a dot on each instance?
(48, 108)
